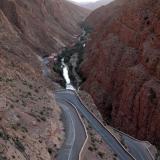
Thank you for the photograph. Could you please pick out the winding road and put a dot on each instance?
(69, 99)
(75, 132)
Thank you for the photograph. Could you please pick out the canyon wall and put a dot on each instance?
(30, 122)
(122, 66)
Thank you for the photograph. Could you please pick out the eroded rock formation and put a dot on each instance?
(122, 66)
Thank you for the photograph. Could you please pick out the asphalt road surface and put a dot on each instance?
(75, 133)
(70, 97)
(136, 149)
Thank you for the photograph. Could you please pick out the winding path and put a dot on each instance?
(137, 150)
(75, 132)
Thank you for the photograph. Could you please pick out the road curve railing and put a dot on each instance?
(147, 148)
(123, 149)
(151, 155)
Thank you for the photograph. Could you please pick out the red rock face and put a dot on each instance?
(122, 66)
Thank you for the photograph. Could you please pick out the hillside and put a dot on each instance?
(107, 11)
(30, 122)
(37, 20)
(122, 68)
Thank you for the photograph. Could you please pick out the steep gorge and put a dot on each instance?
(122, 66)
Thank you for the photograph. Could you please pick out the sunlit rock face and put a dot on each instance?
(122, 66)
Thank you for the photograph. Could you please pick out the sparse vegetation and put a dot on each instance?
(86, 27)
(19, 145)
(43, 118)
(12, 106)
(29, 93)
(18, 125)
(36, 90)
(90, 148)
(67, 53)
(24, 129)
(40, 115)
(2, 157)
(115, 155)
(158, 152)
(50, 150)
(3, 135)
(30, 86)
(101, 154)
(8, 79)
(57, 68)
(13, 157)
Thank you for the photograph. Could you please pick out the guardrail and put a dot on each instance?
(75, 92)
(147, 148)
(114, 128)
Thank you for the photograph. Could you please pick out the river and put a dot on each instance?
(66, 75)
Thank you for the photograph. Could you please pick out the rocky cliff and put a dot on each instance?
(45, 25)
(30, 123)
(122, 66)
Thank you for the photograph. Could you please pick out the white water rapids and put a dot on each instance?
(66, 76)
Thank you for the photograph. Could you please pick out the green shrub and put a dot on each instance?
(90, 148)
(2, 157)
(43, 118)
(19, 145)
(101, 154)
(24, 129)
(50, 150)
(3, 135)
